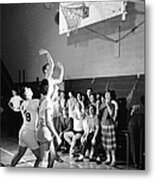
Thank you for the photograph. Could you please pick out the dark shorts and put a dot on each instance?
(78, 132)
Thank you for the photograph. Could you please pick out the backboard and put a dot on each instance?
(81, 14)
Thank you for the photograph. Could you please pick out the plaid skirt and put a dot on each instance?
(108, 137)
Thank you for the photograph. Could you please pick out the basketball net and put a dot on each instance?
(73, 13)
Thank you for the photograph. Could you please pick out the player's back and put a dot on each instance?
(44, 105)
(29, 110)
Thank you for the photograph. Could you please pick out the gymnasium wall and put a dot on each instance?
(28, 27)
(122, 86)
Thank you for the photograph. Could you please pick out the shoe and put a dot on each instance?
(91, 160)
(106, 162)
(63, 148)
(58, 159)
(86, 157)
(79, 160)
(98, 162)
(71, 155)
(113, 164)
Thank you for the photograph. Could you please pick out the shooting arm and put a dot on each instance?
(49, 60)
(51, 64)
(60, 79)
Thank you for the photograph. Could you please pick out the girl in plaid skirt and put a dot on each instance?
(108, 129)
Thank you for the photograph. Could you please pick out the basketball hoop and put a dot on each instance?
(49, 5)
(73, 13)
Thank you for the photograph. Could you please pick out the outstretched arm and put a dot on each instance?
(60, 79)
(49, 59)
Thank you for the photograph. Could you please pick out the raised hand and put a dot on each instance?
(42, 51)
(60, 65)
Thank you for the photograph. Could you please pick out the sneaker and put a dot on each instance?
(106, 162)
(79, 160)
(113, 163)
(59, 160)
(71, 155)
(91, 160)
(98, 161)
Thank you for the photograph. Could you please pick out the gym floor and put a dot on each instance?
(9, 147)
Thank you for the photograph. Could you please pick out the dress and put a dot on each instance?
(108, 136)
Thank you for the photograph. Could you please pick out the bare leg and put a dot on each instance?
(44, 153)
(52, 155)
(56, 146)
(74, 140)
(18, 156)
(91, 152)
(36, 152)
(108, 156)
(113, 161)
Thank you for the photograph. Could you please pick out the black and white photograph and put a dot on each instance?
(72, 92)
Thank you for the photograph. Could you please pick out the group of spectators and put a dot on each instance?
(83, 121)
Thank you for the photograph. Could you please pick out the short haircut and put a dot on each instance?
(44, 67)
(44, 86)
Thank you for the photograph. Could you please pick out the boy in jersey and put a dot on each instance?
(46, 128)
(27, 137)
(53, 88)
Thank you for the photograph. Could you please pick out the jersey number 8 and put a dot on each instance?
(28, 116)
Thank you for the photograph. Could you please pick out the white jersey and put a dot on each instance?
(77, 121)
(43, 132)
(29, 110)
(71, 106)
(53, 88)
(44, 105)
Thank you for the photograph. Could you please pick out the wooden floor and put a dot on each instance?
(9, 147)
